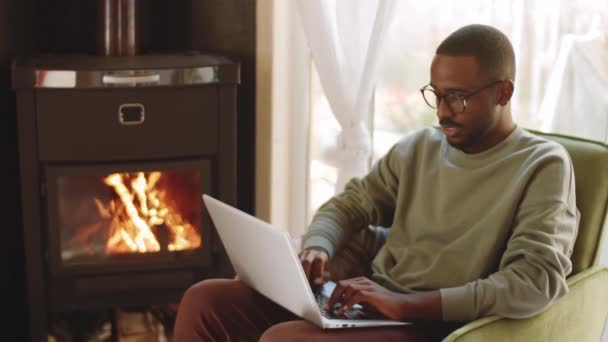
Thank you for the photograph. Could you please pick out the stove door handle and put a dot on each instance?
(131, 114)
(130, 80)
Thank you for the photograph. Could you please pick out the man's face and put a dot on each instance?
(470, 131)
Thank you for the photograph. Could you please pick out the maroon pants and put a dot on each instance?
(228, 310)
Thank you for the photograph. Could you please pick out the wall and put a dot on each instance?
(228, 27)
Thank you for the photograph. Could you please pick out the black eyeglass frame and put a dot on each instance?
(462, 98)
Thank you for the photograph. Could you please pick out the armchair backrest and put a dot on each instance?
(590, 161)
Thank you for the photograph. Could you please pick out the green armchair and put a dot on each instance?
(578, 316)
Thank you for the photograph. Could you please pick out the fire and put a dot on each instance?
(141, 214)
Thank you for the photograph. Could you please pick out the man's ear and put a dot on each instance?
(505, 91)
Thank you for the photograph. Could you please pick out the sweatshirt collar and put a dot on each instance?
(463, 159)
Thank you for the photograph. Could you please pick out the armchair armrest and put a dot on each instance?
(578, 316)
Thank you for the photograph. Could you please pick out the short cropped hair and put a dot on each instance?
(491, 48)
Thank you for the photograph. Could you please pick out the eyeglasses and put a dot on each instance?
(456, 102)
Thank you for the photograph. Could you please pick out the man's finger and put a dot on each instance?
(360, 297)
(346, 289)
(352, 289)
(336, 295)
(306, 264)
(318, 270)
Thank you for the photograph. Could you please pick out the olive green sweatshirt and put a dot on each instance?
(493, 231)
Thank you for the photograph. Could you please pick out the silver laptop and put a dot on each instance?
(265, 259)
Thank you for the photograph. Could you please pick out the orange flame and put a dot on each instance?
(139, 215)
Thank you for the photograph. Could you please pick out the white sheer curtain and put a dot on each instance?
(575, 101)
(345, 38)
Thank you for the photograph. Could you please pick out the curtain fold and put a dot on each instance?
(574, 102)
(345, 38)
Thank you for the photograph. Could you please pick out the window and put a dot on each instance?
(552, 40)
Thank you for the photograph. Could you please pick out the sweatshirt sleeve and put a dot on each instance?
(364, 201)
(533, 269)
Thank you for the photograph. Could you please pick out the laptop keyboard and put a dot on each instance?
(353, 313)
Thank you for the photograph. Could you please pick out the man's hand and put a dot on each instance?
(393, 305)
(315, 264)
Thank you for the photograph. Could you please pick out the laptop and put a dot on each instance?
(265, 259)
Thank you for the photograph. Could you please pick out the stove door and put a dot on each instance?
(126, 217)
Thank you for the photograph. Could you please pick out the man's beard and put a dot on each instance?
(470, 139)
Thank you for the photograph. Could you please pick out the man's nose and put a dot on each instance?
(443, 110)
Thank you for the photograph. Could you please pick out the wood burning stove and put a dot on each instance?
(115, 153)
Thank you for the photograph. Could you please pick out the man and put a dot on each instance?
(482, 214)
